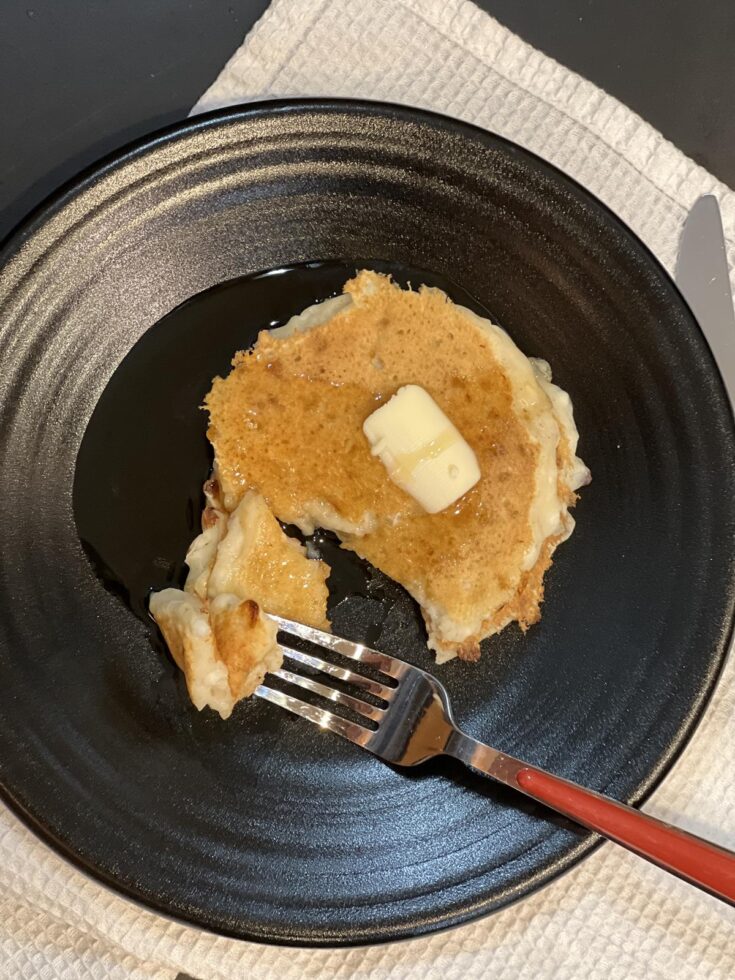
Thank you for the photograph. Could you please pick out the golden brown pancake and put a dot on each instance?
(256, 560)
(241, 566)
(287, 423)
(224, 647)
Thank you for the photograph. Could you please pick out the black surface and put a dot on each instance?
(81, 77)
(263, 826)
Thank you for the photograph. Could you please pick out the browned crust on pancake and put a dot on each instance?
(241, 635)
(469, 651)
(210, 516)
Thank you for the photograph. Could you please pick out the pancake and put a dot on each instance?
(256, 560)
(224, 647)
(241, 567)
(287, 423)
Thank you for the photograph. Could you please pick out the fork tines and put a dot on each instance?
(371, 713)
(355, 651)
(332, 694)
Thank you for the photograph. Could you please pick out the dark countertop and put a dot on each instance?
(82, 77)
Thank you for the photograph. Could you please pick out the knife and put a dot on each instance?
(703, 277)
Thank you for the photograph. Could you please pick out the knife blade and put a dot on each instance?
(703, 277)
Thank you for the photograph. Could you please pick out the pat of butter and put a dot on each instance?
(422, 450)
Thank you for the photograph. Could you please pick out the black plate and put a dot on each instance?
(264, 827)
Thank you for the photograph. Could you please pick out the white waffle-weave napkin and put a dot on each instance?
(613, 916)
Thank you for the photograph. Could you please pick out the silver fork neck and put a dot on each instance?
(482, 758)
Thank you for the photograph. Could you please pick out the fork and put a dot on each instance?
(415, 723)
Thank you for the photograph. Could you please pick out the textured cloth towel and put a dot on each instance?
(613, 916)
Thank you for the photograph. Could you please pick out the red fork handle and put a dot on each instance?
(696, 860)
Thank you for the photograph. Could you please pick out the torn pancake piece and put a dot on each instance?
(224, 650)
(255, 559)
(246, 640)
(241, 567)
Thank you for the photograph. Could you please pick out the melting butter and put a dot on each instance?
(422, 450)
